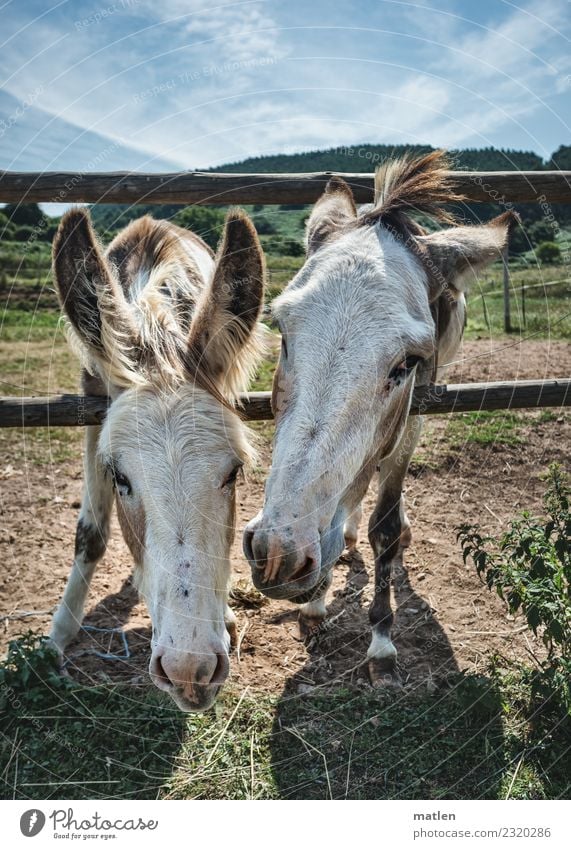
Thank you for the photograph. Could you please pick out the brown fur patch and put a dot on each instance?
(145, 244)
(144, 314)
(92, 385)
(81, 274)
(90, 541)
(418, 184)
(227, 314)
(133, 527)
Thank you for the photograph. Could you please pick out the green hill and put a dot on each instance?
(361, 159)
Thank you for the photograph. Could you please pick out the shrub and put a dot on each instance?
(530, 568)
(28, 214)
(7, 230)
(202, 220)
(263, 225)
(291, 247)
(540, 231)
(30, 668)
(24, 233)
(548, 252)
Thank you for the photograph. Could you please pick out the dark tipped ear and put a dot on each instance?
(334, 209)
(228, 311)
(79, 271)
(453, 257)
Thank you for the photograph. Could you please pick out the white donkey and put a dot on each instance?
(171, 334)
(374, 308)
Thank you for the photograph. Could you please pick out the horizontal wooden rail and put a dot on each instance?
(80, 410)
(217, 188)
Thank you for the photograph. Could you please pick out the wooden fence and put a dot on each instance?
(79, 410)
(503, 187)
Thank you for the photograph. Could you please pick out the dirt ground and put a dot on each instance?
(445, 620)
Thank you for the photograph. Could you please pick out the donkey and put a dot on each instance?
(376, 308)
(171, 334)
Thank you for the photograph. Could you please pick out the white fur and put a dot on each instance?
(355, 307)
(359, 305)
(177, 450)
(177, 444)
(95, 512)
(381, 647)
(314, 609)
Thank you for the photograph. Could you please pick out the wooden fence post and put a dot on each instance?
(507, 318)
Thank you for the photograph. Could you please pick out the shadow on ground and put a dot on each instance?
(441, 735)
(83, 736)
(105, 633)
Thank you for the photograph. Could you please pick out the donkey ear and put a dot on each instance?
(93, 300)
(80, 272)
(454, 256)
(334, 209)
(223, 329)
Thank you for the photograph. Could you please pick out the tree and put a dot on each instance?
(202, 220)
(540, 231)
(561, 158)
(291, 247)
(548, 252)
(263, 225)
(27, 214)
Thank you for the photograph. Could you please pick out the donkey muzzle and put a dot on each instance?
(280, 568)
(192, 680)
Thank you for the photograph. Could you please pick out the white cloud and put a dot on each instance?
(199, 85)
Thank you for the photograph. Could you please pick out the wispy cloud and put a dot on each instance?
(190, 84)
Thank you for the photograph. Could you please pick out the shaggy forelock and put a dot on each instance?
(190, 416)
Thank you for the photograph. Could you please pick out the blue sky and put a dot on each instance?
(151, 85)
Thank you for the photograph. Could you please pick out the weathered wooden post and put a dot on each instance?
(505, 260)
(486, 316)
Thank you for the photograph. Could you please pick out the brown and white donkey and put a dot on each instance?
(171, 334)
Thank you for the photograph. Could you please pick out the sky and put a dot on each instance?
(161, 85)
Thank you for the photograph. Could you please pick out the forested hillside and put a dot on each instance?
(362, 159)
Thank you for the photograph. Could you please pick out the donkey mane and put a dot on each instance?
(420, 184)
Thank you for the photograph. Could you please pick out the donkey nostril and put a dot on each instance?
(248, 549)
(255, 550)
(158, 671)
(222, 669)
(304, 570)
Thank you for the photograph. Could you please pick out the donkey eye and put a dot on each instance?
(411, 362)
(121, 483)
(404, 367)
(284, 347)
(230, 480)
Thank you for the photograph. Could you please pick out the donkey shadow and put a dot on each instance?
(104, 647)
(334, 736)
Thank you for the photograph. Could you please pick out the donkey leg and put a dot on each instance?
(230, 622)
(312, 613)
(91, 538)
(389, 533)
(351, 529)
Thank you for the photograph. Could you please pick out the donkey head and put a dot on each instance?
(172, 444)
(357, 330)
